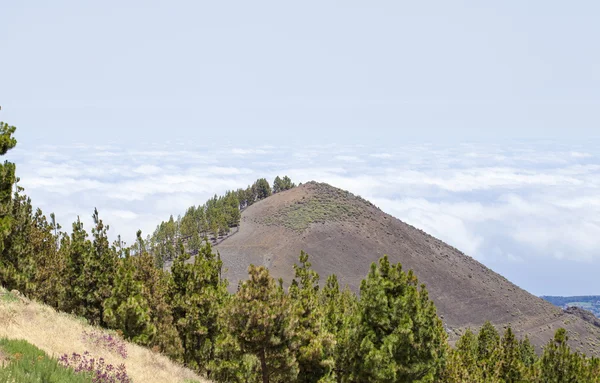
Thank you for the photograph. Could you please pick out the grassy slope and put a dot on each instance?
(22, 362)
(58, 333)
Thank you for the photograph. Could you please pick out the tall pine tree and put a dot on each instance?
(198, 293)
(316, 344)
(400, 337)
(261, 320)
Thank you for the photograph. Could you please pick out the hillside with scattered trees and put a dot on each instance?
(212, 221)
(306, 330)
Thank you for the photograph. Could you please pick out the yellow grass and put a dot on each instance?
(59, 333)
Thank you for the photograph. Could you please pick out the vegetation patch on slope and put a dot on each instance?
(22, 362)
(326, 204)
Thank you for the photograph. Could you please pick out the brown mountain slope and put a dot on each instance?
(344, 234)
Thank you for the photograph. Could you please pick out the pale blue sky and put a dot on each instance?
(309, 71)
(200, 97)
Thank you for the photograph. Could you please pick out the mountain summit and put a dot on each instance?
(344, 234)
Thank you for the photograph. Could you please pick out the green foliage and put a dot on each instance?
(331, 205)
(527, 352)
(316, 344)
(515, 361)
(197, 295)
(558, 364)
(282, 184)
(76, 249)
(399, 338)
(17, 260)
(7, 180)
(164, 242)
(8, 296)
(91, 269)
(157, 291)
(461, 365)
(341, 320)
(28, 364)
(511, 367)
(488, 342)
(127, 309)
(17, 266)
(260, 319)
(49, 269)
(211, 220)
(261, 189)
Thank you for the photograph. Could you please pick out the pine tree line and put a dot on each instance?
(489, 357)
(211, 220)
(263, 332)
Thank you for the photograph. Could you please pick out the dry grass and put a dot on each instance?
(58, 333)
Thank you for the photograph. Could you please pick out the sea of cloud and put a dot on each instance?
(529, 210)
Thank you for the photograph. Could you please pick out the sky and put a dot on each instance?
(475, 121)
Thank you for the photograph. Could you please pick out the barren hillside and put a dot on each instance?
(344, 234)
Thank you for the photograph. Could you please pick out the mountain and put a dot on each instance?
(344, 234)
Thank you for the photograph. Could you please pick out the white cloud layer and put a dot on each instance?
(511, 207)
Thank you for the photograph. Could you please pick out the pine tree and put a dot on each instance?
(287, 183)
(400, 337)
(232, 209)
(201, 221)
(18, 260)
(188, 223)
(282, 184)
(198, 293)
(260, 319)
(593, 367)
(316, 344)
(7, 181)
(488, 350)
(261, 189)
(277, 185)
(527, 352)
(251, 196)
(512, 369)
(50, 263)
(462, 364)
(557, 363)
(77, 249)
(157, 288)
(127, 309)
(100, 269)
(90, 267)
(341, 320)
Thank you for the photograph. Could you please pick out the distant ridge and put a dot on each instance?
(344, 234)
(590, 303)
